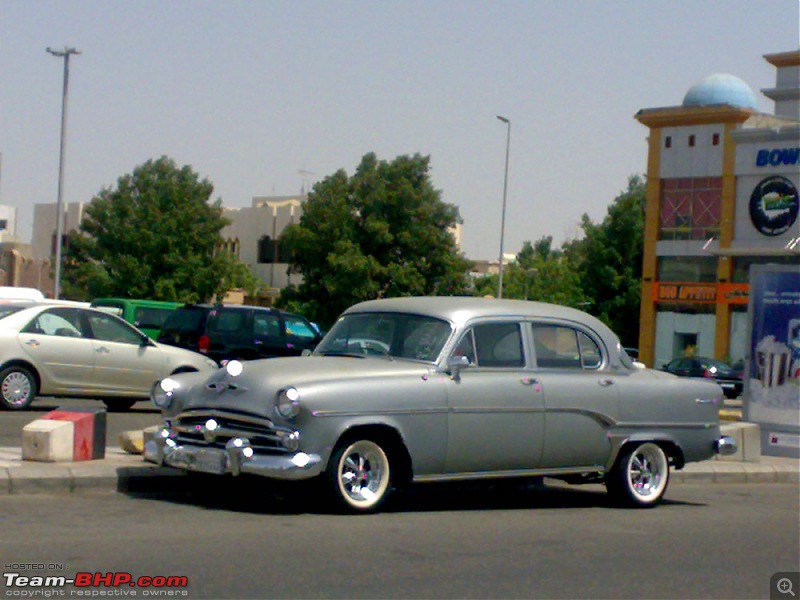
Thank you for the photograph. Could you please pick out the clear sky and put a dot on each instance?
(262, 97)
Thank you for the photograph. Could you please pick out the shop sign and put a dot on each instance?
(774, 205)
(701, 293)
(778, 157)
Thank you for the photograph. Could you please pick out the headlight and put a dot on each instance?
(163, 392)
(287, 403)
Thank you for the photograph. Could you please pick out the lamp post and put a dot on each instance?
(503, 214)
(65, 53)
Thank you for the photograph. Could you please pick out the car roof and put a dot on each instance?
(206, 305)
(460, 309)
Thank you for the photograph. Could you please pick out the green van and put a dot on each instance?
(147, 315)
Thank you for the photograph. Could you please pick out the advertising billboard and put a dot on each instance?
(772, 384)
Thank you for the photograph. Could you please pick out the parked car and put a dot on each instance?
(729, 379)
(424, 389)
(62, 350)
(226, 331)
(145, 315)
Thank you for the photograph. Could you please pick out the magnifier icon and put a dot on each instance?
(784, 586)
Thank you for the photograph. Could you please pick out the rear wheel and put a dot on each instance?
(17, 388)
(640, 476)
(360, 474)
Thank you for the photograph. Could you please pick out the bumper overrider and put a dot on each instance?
(726, 445)
(236, 458)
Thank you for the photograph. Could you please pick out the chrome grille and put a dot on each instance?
(264, 436)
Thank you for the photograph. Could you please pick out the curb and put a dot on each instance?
(119, 471)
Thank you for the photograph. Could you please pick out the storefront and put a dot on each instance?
(722, 196)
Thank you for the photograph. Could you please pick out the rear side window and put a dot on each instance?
(561, 347)
(227, 321)
(185, 320)
(152, 318)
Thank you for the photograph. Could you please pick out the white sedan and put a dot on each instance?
(48, 349)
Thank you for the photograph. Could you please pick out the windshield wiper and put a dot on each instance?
(340, 353)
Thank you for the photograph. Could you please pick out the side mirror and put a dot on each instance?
(306, 352)
(455, 364)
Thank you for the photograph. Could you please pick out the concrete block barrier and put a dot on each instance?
(66, 436)
(48, 441)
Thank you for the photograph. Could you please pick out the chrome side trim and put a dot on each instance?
(504, 474)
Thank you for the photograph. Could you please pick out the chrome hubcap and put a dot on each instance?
(16, 388)
(646, 472)
(362, 473)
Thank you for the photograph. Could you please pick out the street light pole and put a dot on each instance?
(65, 53)
(503, 214)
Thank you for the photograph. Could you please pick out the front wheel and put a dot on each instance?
(640, 476)
(361, 475)
(17, 388)
(119, 405)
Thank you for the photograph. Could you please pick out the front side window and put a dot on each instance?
(562, 347)
(395, 335)
(299, 328)
(492, 345)
(109, 328)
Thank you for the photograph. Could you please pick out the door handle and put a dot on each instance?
(605, 382)
(33, 343)
(102, 350)
(529, 381)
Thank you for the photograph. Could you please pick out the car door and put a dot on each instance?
(580, 396)
(495, 405)
(268, 335)
(123, 363)
(58, 347)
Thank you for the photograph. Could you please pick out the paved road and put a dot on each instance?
(143, 414)
(438, 541)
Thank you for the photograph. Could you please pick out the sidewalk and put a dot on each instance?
(120, 471)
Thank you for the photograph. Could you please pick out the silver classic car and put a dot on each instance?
(424, 389)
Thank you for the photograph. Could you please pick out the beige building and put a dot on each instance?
(722, 196)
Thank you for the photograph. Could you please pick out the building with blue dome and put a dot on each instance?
(722, 197)
(720, 88)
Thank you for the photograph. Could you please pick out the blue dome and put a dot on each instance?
(720, 89)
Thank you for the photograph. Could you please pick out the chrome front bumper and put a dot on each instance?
(237, 458)
(726, 445)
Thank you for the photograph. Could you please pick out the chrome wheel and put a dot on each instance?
(361, 475)
(641, 475)
(17, 388)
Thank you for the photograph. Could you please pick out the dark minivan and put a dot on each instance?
(225, 332)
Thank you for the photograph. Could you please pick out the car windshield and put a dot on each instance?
(391, 335)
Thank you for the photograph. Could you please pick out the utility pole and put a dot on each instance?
(65, 53)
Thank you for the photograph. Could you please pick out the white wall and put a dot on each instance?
(670, 323)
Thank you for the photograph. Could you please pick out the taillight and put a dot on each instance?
(203, 344)
(707, 373)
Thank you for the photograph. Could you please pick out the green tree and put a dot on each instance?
(384, 232)
(155, 235)
(609, 261)
(540, 273)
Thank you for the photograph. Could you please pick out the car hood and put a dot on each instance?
(254, 389)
